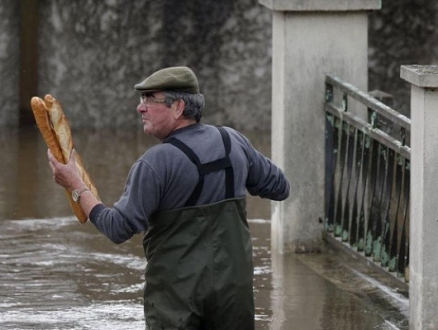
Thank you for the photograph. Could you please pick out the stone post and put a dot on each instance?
(423, 263)
(310, 39)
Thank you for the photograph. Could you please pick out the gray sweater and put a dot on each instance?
(163, 178)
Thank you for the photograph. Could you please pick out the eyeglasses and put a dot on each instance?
(149, 99)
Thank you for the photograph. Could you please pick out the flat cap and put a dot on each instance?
(179, 78)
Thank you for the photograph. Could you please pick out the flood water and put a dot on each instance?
(56, 273)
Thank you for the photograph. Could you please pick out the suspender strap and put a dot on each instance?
(194, 159)
(216, 165)
(229, 172)
(203, 169)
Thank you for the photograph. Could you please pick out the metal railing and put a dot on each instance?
(367, 178)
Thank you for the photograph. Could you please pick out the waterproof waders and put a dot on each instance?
(200, 271)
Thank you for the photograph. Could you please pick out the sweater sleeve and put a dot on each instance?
(130, 214)
(267, 180)
(264, 179)
(111, 223)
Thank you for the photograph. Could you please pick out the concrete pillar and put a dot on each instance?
(423, 264)
(310, 38)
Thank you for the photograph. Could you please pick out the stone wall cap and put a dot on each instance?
(322, 5)
(420, 75)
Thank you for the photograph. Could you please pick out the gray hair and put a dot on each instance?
(194, 103)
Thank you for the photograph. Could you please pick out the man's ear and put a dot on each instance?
(179, 110)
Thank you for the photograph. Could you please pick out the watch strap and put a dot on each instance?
(76, 194)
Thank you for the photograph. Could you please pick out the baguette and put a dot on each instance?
(56, 132)
(42, 119)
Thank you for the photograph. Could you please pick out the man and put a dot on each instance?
(188, 195)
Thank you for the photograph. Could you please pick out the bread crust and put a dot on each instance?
(55, 129)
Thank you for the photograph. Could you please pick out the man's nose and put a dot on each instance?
(141, 107)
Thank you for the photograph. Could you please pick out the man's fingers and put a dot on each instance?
(73, 155)
(49, 154)
(52, 158)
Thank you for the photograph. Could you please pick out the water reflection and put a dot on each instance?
(330, 291)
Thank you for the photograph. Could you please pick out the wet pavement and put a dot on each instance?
(56, 273)
(332, 290)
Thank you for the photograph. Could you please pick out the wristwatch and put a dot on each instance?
(76, 194)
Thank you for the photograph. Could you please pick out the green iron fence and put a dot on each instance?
(367, 177)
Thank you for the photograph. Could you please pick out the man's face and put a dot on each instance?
(158, 119)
